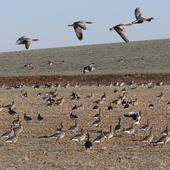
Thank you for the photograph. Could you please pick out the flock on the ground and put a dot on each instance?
(76, 133)
(79, 26)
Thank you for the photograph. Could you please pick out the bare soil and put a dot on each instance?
(120, 152)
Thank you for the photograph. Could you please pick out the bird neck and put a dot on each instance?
(119, 121)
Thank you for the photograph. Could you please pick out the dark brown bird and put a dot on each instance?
(118, 126)
(11, 111)
(27, 118)
(73, 116)
(39, 117)
(88, 144)
(120, 29)
(139, 18)
(78, 27)
(25, 41)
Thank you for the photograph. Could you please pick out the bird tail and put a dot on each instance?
(149, 19)
(126, 115)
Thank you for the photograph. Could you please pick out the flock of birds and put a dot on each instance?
(52, 98)
(81, 135)
(79, 26)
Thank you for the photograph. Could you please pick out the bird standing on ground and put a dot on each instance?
(9, 133)
(148, 139)
(59, 129)
(145, 127)
(16, 121)
(78, 27)
(109, 134)
(39, 117)
(79, 137)
(88, 144)
(136, 116)
(27, 118)
(25, 41)
(12, 139)
(89, 68)
(11, 111)
(131, 130)
(100, 138)
(118, 126)
(74, 128)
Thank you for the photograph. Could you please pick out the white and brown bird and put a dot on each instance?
(163, 139)
(9, 133)
(18, 129)
(12, 139)
(148, 139)
(136, 116)
(25, 41)
(166, 131)
(89, 68)
(100, 138)
(58, 136)
(75, 127)
(79, 26)
(145, 127)
(79, 137)
(109, 134)
(16, 121)
(118, 127)
(139, 18)
(98, 115)
(131, 130)
(120, 29)
(59, 129)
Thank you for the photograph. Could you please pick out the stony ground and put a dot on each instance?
(120, 152)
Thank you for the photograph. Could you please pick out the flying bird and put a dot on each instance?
(120, 29)
(139, 18)
(25, 41)
(78, 27)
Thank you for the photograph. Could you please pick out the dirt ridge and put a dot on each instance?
(103, 79)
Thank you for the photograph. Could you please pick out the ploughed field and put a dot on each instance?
(33, 150)
(135, 63)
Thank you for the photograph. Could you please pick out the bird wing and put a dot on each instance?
(78, 32)
(27, 44)
(138, 14)
(81, 24)
(129, 114)
(6, 134)
(122, 33)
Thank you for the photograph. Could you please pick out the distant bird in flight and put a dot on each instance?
(78, 27)
(139, 18)
(25, 41)
(120, 29)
